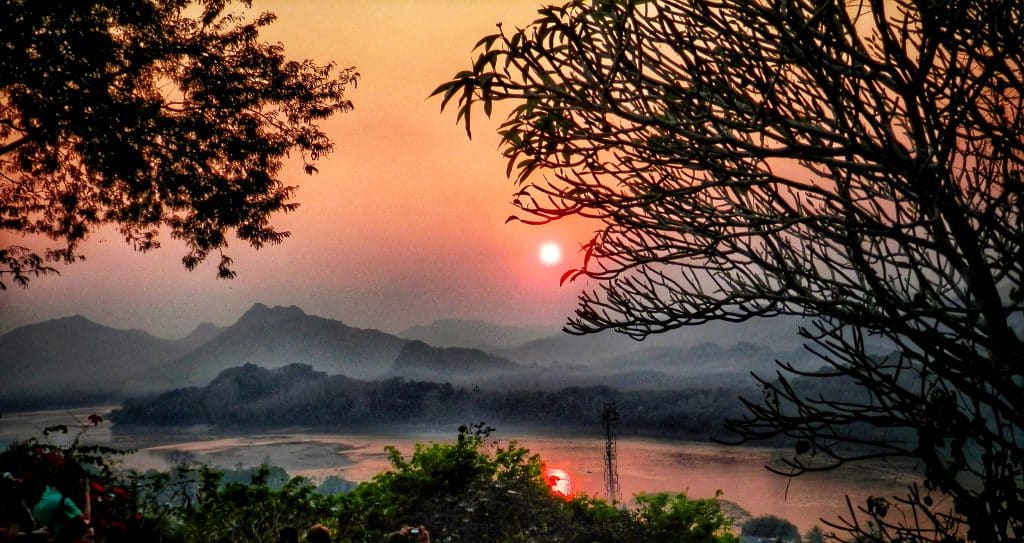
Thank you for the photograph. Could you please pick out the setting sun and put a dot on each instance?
(550, 253)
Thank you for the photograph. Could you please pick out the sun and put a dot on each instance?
(550, 253)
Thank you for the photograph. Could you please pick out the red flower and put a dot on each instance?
(97, 488)
(121, 493)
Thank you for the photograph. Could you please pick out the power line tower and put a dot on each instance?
(611, 467)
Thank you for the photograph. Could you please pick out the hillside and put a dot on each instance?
(707, 363)
(276, 337)
(599, 349)
(298, 395)
(417, 360)
(73, 356)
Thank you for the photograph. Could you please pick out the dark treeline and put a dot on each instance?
(298, 395)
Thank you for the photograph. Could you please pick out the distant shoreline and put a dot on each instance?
(62, 415)
(419, 430)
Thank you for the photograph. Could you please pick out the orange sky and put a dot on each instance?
(404, 224)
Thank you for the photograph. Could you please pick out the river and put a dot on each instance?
(644, 464)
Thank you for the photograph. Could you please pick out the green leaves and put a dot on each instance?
(675, 517)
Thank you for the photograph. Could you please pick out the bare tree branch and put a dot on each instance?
(856, 162)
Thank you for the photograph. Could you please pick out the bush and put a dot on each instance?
(771, 527)
(667, 517)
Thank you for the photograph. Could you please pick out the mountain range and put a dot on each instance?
(275, 337)
(76, 359)
(75, 356)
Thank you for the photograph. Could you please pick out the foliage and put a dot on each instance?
(185, 504)
(47, 457)
(666, 517)
(460, 491)
(252, 512)
(152, 114)
(814, 535)
(772, 527)
(467, 490)
(464, 492)
(856, 162)
(59, 455)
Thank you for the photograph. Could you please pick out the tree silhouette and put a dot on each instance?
(857, 162)
(156, 114)
(771, 527)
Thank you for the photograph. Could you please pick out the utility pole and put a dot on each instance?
(611, 468)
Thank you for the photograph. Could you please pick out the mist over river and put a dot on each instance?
(644, 464)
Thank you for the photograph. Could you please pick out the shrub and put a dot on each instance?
(772, 527)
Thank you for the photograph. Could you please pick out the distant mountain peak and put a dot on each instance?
(261, 312)
(273, 337)
(205, 327)
(73, 320)
(71, 356)
(417, 359)
(76, 324)
(260, 308)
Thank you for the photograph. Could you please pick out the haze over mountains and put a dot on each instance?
(74, 355)
(275, 337)
(69, 358)
(476, 334)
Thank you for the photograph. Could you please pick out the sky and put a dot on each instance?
(403, 225)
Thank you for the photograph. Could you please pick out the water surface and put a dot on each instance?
(644, 464)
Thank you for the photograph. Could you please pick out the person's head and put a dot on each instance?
(33, 486)
(319, 534)
(67, 480)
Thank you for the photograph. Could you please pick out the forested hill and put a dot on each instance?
(299, 395)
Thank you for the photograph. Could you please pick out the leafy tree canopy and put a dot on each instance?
(814, 535)
(771, 527)
(857, 162)
(150, 115)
